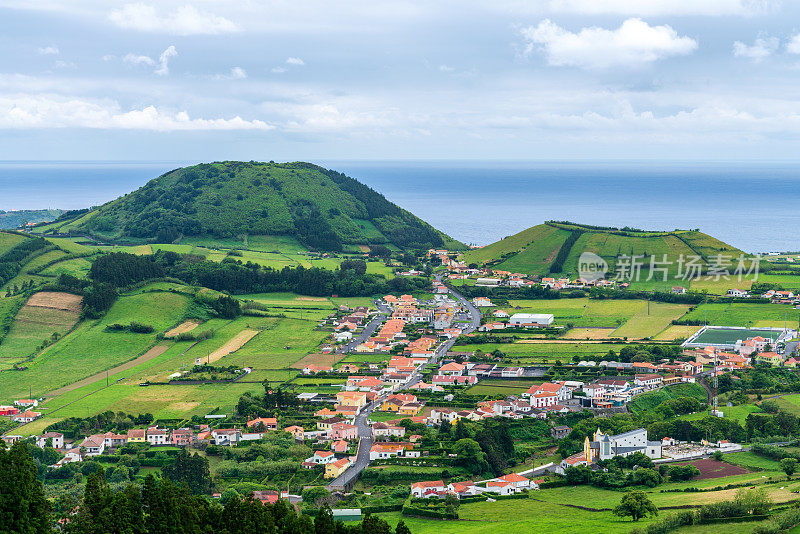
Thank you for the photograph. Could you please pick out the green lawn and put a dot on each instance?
(538, 352)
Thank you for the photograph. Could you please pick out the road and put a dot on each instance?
(346, 479)
(369, 329)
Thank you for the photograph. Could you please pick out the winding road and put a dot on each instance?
(345, 481)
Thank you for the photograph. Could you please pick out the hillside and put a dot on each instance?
(14, 219)
(321, 208)
(555, 247)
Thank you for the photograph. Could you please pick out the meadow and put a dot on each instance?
(581, 312)
(500, 387)
(745, 314)
(530, 353)
(90, 348)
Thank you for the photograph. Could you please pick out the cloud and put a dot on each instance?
(663, 7)
(236, 73)
(277, 70)
(793, 46)
(445, 68)
(185, 20)
(295, 61)
(61, 64)
(163, 60)
(136, 59)
(48, 111)
(48, 51)
(634, 43)
(762, 48)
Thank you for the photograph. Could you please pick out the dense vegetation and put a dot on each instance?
(11, 260)
(323, 209)
(234, 276)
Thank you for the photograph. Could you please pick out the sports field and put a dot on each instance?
(745, 314)
(727, 336)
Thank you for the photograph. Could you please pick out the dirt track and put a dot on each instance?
(158, 350)
(234, 344)
(186, 326)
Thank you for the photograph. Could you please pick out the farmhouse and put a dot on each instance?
(335, 469)
(26, 416)
(433, 488)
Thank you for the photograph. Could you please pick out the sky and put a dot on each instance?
(203, 80)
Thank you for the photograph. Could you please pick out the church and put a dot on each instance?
(606, 446)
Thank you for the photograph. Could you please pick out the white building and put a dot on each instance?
(531, 320)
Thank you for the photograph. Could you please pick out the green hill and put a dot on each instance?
(321, 208)
(555, 247)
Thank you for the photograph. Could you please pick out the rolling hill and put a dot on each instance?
(555, 247)
(321, 208)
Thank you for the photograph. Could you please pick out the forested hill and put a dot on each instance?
(322, 208)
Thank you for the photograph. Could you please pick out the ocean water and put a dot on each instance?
(752, 205)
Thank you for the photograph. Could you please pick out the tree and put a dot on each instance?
(471, 456)
(717, 456)
(324, 522)
(755, 500)
(637, 505)
(193, 470)
(401, 528)
(789, 466)
(22, 501)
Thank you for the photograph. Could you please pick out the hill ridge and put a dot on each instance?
(322, 208)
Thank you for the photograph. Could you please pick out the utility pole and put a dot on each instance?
(714, 400)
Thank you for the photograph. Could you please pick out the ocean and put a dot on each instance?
(752, 205)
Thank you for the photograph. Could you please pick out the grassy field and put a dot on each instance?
(581, 312)
(512, 244)
(8, 241)
(752, 460)
(648, 401)
(789, 403)
(745, 314)
(500, 387)
(32, 326)
(650, 320)
(90, 348)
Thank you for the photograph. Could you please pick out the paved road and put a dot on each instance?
(362, 457)
(364, 430)
(369, 329)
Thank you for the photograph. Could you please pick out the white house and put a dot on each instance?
(501, 486)
(431, 488)
(322, 457)
(226, 436)
(157, 436)
(482, 302)
(93, 445)
(56, 437)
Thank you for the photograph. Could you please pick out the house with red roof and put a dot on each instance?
(433, 488)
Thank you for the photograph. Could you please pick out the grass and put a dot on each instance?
(77, 267)
(500, 387)
(789, 403)
(582, 312)
(34, 325)
(650, 320)
(90, 348)
(647, 401)
(745, 314)
(752, 460)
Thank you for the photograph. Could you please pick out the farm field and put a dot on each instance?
(581, 312)
(588, 333)
(752, 460)
(789, 403)
(674, 332)
(90, 348)
(39, 321)
(651, 320)
(526, 238)
(737, 413)
(744, 314)
(536, 259)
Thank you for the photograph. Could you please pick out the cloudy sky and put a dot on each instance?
(396, 79)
